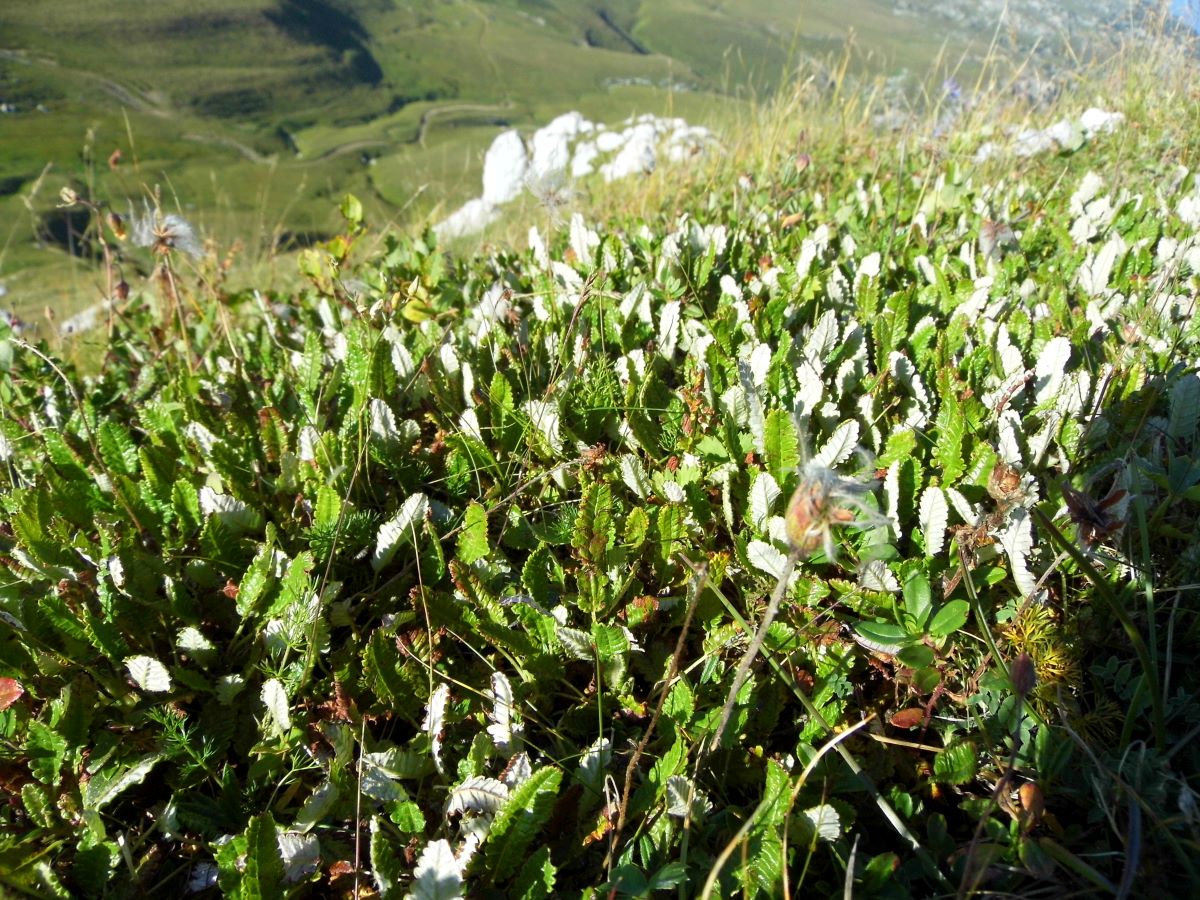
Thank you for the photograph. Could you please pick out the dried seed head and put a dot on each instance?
(1004, 485)
(824, 501)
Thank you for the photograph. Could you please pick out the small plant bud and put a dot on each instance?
(1022, 673)
(121, 291)
(68, 197)
(117, 224)
(1033, 804)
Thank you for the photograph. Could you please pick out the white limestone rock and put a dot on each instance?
(504, 168)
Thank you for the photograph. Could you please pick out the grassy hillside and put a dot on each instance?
(819, 520)
(250, 116)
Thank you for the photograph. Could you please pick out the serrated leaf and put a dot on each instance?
(11, 691)
(547, 422)
(318, 804)
(781, 445)
(263, 873)
(407, 816)
(404, 526)
(577, 643)
(680, 703)
(840, 445)
(633, 474)
(388, 867)
(933, 515)
(537, 878)
(438, 875)
(1051, 367)
(252, 590)
(231, 512)
(299, 853)
(1017, 541)
(761, 500)
(824, 821)
(684, 799)
(668, 328)
(594, 530)
(951, 428)
(501, 713)
(148, 673)
(435, 721)
(957, 764)
(473, 538)
(117, 448)
(107, 784)
(478, 795)
(766, 558)
(519, 821)
(275, 699)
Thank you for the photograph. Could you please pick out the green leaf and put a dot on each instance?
(957, 764)
(637, 526)
(917, 656)
(252, 590)
(680, 703)
(951, 429)
(918, 600)
(594, 529)
(264, 863)
(781, 445)
(387, 861)
(352, 211)
(949, 618)
(473, 538)
(669, 530)
(882, 637)
(536, 881)
(408, 817)
(109, 782)
(518, 822)
(46, 751)
(117, 448)
(327, 508)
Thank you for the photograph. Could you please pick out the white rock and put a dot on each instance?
(1099, 121)
(473, 216)
(551, 150)
(636, 156)
(585, 154)
(558, 151)
(504, 169)
(608, 141)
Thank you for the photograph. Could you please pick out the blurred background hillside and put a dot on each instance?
(251, 118)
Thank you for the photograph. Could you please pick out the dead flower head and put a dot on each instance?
(823, 501)
(164, 233)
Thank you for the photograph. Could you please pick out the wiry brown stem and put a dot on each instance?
(755, 645)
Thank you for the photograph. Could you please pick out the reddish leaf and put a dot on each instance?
(908, 718)
(10, 692)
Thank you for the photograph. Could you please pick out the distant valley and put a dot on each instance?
(253, 117)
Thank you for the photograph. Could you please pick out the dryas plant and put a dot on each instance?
(387, 587)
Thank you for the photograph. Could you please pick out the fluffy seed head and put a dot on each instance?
(823, 501)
